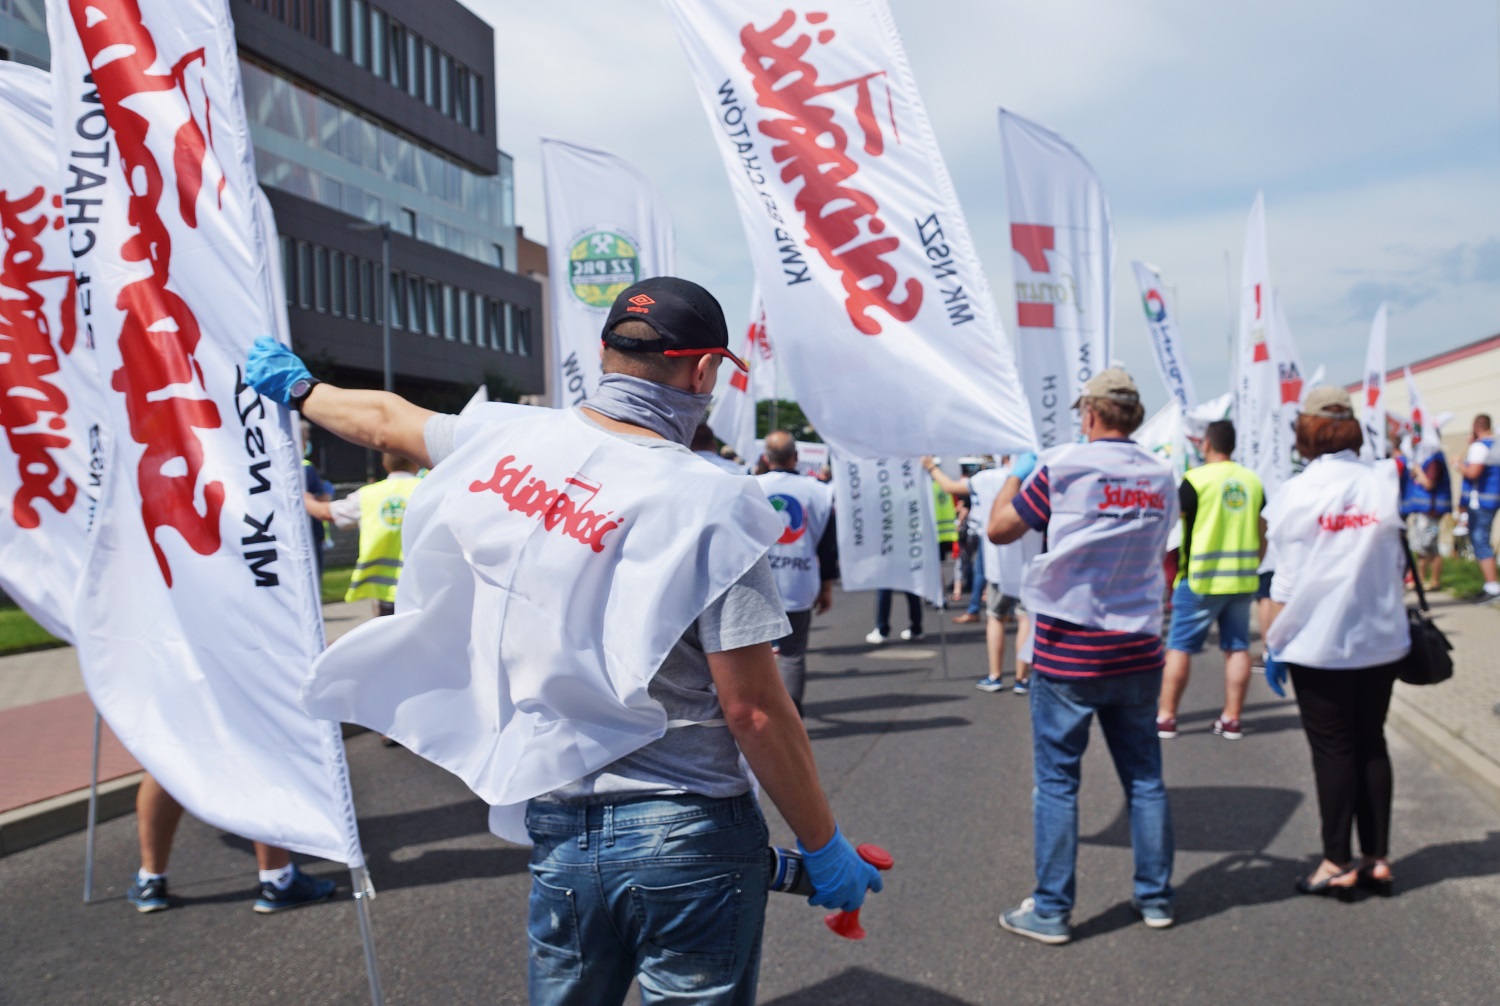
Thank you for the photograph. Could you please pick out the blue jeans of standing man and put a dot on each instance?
(1061, 711)
(669, 890)
(976, 589)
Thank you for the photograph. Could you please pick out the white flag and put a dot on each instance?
(1170, 361)
(198, 616)
(1372, 405)
(733, 416)
(1277, 462)
(886, 535)
(52, 456)
(1064, 245)
(607, 228)
(882, 316)
(1255, 377)
(1424, 433)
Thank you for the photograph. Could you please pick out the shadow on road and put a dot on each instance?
(824, 722)
(1449, 861)
(422, 847)
(859, 987)
(1215, 818)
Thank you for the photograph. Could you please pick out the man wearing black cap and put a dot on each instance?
(620, 740)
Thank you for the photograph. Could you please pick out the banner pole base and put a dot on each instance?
(88, 854)
(364, 893)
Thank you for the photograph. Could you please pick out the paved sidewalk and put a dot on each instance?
(1455, 723)
(47, 723)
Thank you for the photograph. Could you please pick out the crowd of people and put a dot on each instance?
(651, 834)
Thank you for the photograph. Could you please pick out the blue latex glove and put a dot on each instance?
(1024, 465)
(1275, 674)
(272, 369)
(840, 878)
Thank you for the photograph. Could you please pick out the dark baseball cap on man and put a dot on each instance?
(688, 319)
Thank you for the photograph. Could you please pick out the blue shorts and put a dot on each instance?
(1481, 524)
(1193, 614)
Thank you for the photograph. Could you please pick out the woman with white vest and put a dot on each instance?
(1339, 627)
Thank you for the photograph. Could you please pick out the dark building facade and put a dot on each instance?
(371, 113)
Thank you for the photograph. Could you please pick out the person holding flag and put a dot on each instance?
(614, 592)
(1481, 497)
(1426, 496)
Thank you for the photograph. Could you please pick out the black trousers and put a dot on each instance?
(1343, 713)
(791, 658)
(883, 612)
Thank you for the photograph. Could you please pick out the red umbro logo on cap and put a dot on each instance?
(641, 300)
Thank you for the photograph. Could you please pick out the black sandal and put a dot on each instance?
(1382, 887)
(1327, 888)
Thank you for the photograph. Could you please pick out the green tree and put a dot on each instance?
(789, 417)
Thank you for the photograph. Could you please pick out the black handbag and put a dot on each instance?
(1430, 659)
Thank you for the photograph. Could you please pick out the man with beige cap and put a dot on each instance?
(1106, 507)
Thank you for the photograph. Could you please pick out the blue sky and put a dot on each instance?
(1373, 127)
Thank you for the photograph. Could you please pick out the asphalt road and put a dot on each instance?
(934, 770)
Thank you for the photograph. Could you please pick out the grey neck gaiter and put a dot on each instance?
(670, 412)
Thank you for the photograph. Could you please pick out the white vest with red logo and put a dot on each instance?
(804, 504)
(1337, 532)
(1113, 505)
(550, 567)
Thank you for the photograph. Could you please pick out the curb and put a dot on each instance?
(45, 820)
(35, 823)
(1450, 751)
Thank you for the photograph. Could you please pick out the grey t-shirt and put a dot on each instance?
(687, 759)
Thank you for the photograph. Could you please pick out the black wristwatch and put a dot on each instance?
(301, 388)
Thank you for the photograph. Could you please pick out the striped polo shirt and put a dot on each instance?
(1064, 649)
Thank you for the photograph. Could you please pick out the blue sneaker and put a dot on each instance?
(150, 896)
(1021, 687)
(303, 890)
(1024, 921)
(989, 684)
(1155, 915)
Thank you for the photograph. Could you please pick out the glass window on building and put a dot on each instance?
(415, 72)
(523, 332)
(336, 291)
(397, 69)
(338, 26)
(435, 304)
(367, 291)
(461, 94)
(476, 102)
(377, 42)
(415, 312)
(320, 278)
(409, 221)
(509, 311)
(358, 26)
(304, 274)
(434, 89)
(461, 315)
(351, 266)
(445, 83)
(289, 269)
(398, 294)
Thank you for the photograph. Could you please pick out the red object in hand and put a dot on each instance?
(846, 924)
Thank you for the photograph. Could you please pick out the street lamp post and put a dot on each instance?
(384, 304)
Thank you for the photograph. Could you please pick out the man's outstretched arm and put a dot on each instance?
(375, 419)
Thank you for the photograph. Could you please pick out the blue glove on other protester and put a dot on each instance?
(839, 877)
(1024, 465)
(1275, 674)
(272, 369)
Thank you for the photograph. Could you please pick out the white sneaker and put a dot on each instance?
(907, 635)
(875, 638)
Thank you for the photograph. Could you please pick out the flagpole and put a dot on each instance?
(88, 847)
(943, 634)
(364, 893)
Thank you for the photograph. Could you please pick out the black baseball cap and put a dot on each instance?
(686, 316)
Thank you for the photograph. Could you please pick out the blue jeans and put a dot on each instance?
(976, 589)
(1060, 714)
(670, 890)
(1481, 525)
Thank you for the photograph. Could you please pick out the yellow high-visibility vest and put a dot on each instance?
(382, 509)
(1224, 552)
(944, 515)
